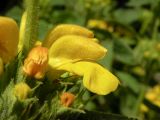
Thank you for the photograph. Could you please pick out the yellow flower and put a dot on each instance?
(71, 48)
(21, 90)
(8, 39)
(77, 52)
(144, 108)
(101, 24)
(97, 24)
(36, 62)
(67, 99)
(153, 95)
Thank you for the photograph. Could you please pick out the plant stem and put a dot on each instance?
(28, 35)
(31, 25)
(139, 100)
(155, 29)
(146, 80)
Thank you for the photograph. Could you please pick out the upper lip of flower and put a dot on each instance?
(77, 54)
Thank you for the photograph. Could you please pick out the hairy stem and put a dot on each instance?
(31, 25)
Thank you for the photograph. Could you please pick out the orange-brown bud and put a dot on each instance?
(36, 63)
(67, 99)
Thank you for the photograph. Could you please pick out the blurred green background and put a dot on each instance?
(130, 30)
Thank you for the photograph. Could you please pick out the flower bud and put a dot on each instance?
(67, 99)
(36, 63)
(21, 90)
(38, 43)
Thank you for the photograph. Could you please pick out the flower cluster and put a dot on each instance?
(153, 95)
(67, 47)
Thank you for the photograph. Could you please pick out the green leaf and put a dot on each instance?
(74, 114)
(138, 3)
(129, 81)
(146, 49)
(15, 13)
(127, 104)
(10, 72)
(59, 2)
(67, 17)
(43, 28)
(127, 16)
(108, 59)
(123, 52)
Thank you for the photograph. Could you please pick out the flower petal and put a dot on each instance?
(8, 38)
(95, 78)
(71, 48)
(1, 66)
(22, 30)
(66, 29)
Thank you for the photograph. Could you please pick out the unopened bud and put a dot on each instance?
(36, 63)
(21, 91)
(67, 99)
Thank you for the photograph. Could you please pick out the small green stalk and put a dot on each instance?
(141, 96)
(139, 101)
(155, 29)
(31, 27)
